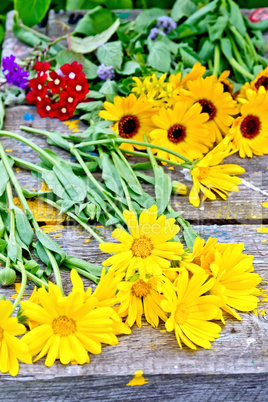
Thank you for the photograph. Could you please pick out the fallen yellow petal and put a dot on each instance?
(138, 379)
(262, 230)
(264, 204)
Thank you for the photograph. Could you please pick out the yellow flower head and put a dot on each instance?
(140, 297)
(190, 311)
(235, 282)
(182, 130)
(104, 293)
(201, 256)
(227, 85)
(210, 177)
(249, 132)
(12, 349)
(68, 328)
(132, 117)
(147, 247)
(219, 105)
(261, 80)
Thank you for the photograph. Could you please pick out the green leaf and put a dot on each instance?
(183, 8)
(91, 43)
(109, 89)
(226, 48)
(206, 51)
(73, 185)
(90, 106)
(111, 54)
(216, 30)
(145, 18)
(236, 18)
(3, 245)
(188, 56)
(69, 56)
(52, 182)
(32, 266)
(163, 188)
(4, 178)
(159, 57)
(95, 21)
(90, 70)
(31, 12)
(2, 108)
(146, 178)
(14, 251)
(110, 175)
(201, 12)
(74, 4)
(129, 68)
(47, 242)
(23, 227)
(124, 171)
(142, 166)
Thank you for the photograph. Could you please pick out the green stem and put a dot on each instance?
(144, 155)
(217, 56)
(27, 210)
(47, 134)
(240, 69)
(235, 50)
(56, 270)
(78, 220)
(28, 165)
(84, 273)
(125, 141)
(251, 46)
(118, 151)
(75, 152)
(30, 144)
(23, 285)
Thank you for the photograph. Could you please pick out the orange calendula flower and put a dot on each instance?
(147, 248)
(212, 178)
(182, 130)
(132, 117)
(190, 311)
(219, 105)
(140, 297)
(235, 282)
(249, 132)
(68, 328)
(12, 349)
(261, 80)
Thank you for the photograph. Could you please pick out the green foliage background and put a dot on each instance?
(32, 12)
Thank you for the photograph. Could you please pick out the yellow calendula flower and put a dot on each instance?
(235, 282)
(140, 297)
(201, 256)
(105, 294)
(261, 80)
(219, 105)
(190, 311)
(12, 349)
(249, 132)
(132, 117)
(212, 178)
(68, 328)
(147, 248)
(227, 85)
(141, 85)
(182, 130)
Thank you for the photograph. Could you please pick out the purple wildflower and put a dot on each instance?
(14, 73)
(105, 72)
(154, 32)
(167, 23)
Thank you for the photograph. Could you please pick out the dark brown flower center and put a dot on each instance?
(250, 127)
(176, 133)
(263, 81)
(128, 126)
(208, 107)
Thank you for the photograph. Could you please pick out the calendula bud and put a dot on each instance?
(2, 297)
(91, 210)
(179, 188)
(7, 276)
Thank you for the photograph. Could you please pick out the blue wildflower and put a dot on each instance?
(154, 32)
(13, 73)
(105, 72)
(167, 23)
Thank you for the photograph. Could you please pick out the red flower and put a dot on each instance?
(78, 88)
(72, 70)
(57, 82)
(45, 108)
(33, 97)
(68, 100)
(38, 86)
(40, 66)
(62, 112)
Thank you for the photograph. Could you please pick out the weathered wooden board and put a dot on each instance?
(234, 369)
